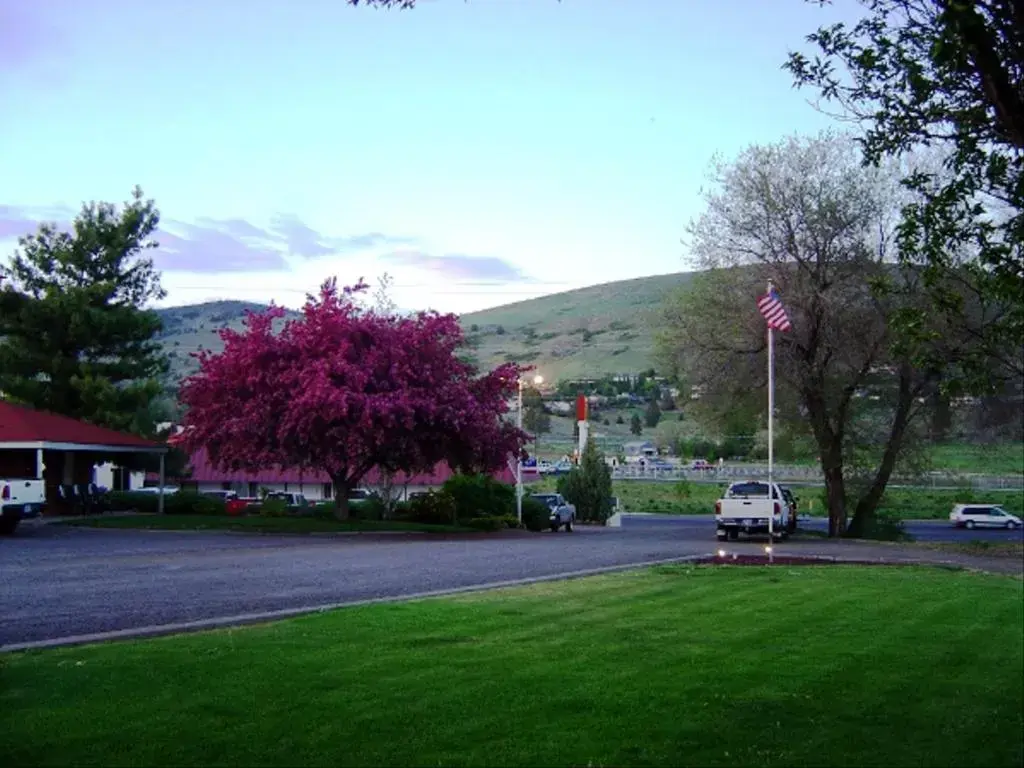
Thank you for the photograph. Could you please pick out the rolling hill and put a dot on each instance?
(601, 329)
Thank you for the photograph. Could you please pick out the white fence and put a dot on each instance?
(809, 475)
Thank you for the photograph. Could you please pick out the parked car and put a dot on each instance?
(982, 516)
(20, 500)
(561, 511)
(701, 465)
(748, 506)
(168, 490)
(562, 467)
(544, 466)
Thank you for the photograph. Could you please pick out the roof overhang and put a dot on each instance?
(81, 447)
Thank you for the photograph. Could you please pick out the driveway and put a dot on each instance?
(65, 582)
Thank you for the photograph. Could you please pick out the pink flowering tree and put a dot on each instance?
(345, 389)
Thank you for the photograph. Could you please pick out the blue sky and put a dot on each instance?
(481, 152)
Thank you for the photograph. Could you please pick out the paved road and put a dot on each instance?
(60, 582)
(703, 526)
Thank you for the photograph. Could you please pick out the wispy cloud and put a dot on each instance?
(219, 245)
(458, 266)
(216, 249)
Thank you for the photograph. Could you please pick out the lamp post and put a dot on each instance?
(537, 380)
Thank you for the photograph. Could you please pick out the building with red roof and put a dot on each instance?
(61, 450)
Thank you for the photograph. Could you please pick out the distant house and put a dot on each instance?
(640, 449)
(315, 486)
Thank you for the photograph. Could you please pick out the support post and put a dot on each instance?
(771, 438)
(519, 458)
(160, 494)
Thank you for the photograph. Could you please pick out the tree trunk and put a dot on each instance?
(867, 505)
(341, 489)
(835, 490)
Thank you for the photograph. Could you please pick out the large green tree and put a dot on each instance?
(948, 75)
(75, 335)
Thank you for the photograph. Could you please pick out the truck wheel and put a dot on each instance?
(554, 527)
(568, 527)
(8, 526)
(734, 535)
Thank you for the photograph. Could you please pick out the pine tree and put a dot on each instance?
(589, 486)
(75, 337)
(636, 426)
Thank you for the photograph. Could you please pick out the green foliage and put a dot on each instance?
(487, 523)
(589, 486)
(536, 420)
(636, 426)
(273, 506)
(946, 74)
(75, 338)
(536, 515)
(180, 503)
(479, 496)
(652, 415)
(433, 507)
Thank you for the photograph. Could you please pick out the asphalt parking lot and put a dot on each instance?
(62, 582)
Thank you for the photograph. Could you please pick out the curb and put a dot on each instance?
(285, 613)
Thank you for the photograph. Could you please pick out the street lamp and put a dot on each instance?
(537, 380)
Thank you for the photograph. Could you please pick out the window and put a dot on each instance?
(749, 489)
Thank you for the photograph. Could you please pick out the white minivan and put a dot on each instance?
(982, 516)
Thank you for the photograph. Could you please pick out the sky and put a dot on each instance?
(479, 152)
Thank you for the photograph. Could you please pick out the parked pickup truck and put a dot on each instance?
(562, 512)
(747, 506)
(20, 500)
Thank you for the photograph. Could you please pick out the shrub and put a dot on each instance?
(487, 523)
(372, 508)
(480, 496)
(180, 503)
(589, 486)
(536, 515)
(435, 508)
(273, 506)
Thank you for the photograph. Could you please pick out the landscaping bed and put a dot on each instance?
(673, 665)
(257, 524)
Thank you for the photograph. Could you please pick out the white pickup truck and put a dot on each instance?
(20, 500)
(747, 506)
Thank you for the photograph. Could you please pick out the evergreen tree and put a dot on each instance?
(75, 337)
(653, 414)
(636, 426)
(589, 486)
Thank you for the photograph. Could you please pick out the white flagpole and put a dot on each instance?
(771, 436)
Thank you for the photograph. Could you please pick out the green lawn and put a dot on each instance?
(1002, 459)
(255, 524)
(668, 666)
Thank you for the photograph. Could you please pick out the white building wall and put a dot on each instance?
(312, 491)
(103, 476)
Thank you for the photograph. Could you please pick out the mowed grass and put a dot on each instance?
(256, 524)
(807, 666)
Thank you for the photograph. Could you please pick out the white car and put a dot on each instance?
(982, 516)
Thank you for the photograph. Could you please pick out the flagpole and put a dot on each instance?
(771, 435)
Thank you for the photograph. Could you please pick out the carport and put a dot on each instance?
(63, 451)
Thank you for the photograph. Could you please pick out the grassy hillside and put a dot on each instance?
(194, 327)
(583, 333)
(588, 332)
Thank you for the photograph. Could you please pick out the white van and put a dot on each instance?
(982, 516)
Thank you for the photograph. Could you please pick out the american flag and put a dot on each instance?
(773, 311)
